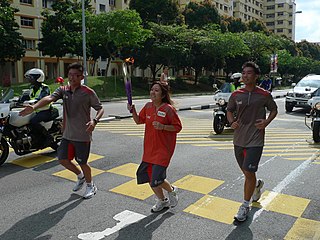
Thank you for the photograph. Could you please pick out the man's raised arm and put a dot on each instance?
(30, 108)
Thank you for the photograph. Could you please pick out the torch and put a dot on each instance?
(127, 71)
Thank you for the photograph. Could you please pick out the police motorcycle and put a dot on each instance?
(314, 114)
(221, 98)
(17, 132)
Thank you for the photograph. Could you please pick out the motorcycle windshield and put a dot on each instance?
(225, 88)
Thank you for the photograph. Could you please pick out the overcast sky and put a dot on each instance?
(307, 22)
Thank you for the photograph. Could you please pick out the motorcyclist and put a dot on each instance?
(236, 84)
(39, 90)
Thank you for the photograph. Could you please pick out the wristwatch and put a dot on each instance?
(95, 121)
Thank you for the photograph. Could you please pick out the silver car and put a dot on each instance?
(302, 92)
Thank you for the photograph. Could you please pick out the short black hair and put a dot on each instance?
(252, 65)
(76, 65)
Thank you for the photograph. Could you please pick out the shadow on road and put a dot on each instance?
(242, 230)
(143, 229)
(33, 226)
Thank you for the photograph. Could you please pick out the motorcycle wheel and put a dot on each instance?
(316, 132)
(218, 123)
(4, 151)
(289, 108)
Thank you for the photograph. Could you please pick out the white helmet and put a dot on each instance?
(34, 74)
(236, 75)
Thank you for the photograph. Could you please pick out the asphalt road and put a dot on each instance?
(37, 200)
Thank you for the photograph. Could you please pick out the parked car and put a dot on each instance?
(302, 92)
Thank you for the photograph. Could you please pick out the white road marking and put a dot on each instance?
(125, 218)
(284, 183)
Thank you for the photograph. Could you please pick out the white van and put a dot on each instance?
(302, 92)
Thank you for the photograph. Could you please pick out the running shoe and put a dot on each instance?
(242, 213)
(173, 197)
(160, 204)
(257, 191)
(90, 191)
(79, 184)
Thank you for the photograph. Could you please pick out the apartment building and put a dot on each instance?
(278, 15)
(29, 19)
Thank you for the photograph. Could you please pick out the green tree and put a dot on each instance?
(233, 25)
(62, 29)
(201, 14)
(166, 46)
(157, 11)
(121, 29)
(11, 45)
(257, 26)
(310, 50)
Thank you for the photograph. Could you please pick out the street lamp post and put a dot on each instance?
(84, 49)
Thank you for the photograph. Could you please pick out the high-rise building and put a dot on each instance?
(278, 15)
(30, 19)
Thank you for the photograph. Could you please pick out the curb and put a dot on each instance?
(196, 107)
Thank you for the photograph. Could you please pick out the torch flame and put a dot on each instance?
(129, 60)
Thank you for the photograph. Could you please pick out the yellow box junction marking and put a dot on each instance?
(32, 160)
(283, 203)
(304, 229)
(198, 184)
(214, 208)
(72, 177)
(94, 157)
(132, 189)
(128, 170)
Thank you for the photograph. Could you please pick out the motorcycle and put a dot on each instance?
(16, 132)
(315, 118)
(221, 97)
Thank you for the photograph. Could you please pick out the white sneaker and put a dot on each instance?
(173, 197)
(257, 191)
(79, 184)
(90, 191)
(160, 204)
(242, 213)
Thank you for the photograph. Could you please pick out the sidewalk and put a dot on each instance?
(275, 94)
(183, 106)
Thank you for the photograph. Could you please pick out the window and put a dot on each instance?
(26, 22)
(280, 5)
(280, 21)
(29, 2)
(47, 3)
(102, 7)
(270, 15)
(279, 30)
(112, 2)
(290, 22)
(280, 13)
(270, 24)
(29, 44)
(270, 7)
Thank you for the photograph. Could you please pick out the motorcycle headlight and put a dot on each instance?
(317, 106)
(221, 101)
(290, 94)
(309, 95)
